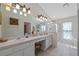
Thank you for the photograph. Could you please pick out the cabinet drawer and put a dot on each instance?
(29, 50)
(6, 51)
(17, 53)
(21, 46)
(37, 40)
(18, 47)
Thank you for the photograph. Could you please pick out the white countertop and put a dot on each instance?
(19, 41)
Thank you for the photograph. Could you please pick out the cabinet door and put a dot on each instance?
(54, 39)
(29, 50)
(17, 53)
(48, 42)
(6, 51)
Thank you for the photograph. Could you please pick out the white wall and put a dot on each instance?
(51, 27)
(0, 25)
(15, 31)
(74, 21)
(78, 26)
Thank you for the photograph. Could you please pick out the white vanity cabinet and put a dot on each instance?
(48, 42)
(17, 53)
(29, 50)
(6, 51)
(23, 49)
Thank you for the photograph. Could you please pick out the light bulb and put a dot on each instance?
(41, 17)
(17, 6)
(29, 11)
(46, 19)
(21, 13)
(7, 8)
(41, 20)
(15, 11)
(24, 9)
(25, 14)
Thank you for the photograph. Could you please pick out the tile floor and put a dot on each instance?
(61, 50)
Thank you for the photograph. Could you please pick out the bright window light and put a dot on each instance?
(67, 30)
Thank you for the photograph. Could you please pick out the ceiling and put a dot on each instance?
(57, 11)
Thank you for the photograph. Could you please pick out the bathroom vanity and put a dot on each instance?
(24, 46)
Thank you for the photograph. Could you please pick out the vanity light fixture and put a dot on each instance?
(40, 17)
(29, 12)
(15, 11)
(17, 6)
(25, 14)
(21, 13)
(24, 9)
(43, 18)
(7, 8)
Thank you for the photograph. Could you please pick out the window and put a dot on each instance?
(56, 27)
(43, 28)
(67, 30)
